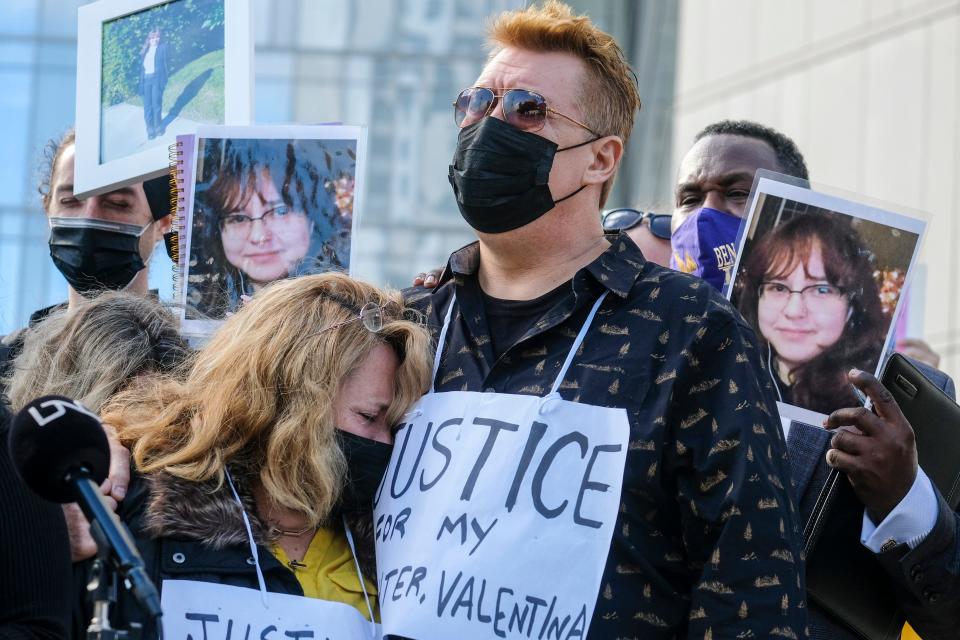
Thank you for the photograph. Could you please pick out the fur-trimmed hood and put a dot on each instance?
(205, 513)
(201, 511)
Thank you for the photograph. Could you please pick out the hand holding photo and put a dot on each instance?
(819, 279)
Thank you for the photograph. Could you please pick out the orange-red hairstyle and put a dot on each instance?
(609, 97)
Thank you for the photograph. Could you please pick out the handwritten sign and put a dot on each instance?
(206, 611)
(495, 516)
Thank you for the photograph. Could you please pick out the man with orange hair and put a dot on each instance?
(605, 459)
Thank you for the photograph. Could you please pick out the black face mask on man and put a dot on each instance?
(499, 175)
(94, 255)
(367, 461)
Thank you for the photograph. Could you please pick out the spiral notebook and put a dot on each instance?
(257, 204)
(181, 159)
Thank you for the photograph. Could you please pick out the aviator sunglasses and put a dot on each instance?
(522, 108)
(627, 218)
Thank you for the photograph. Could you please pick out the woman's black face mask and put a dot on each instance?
(367, 461)
(94, 255)
(499, 175)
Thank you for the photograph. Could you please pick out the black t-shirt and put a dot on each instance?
(509, 320)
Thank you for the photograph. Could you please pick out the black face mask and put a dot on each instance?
(499, 175)
(367, 461)
(94, 259)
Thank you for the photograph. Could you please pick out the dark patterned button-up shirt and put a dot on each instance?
(707, 543)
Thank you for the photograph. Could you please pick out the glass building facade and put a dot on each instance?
(391, 65)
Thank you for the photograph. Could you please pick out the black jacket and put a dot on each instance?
(161, 70)
(34, 556)
(194, 531)
(700, 540)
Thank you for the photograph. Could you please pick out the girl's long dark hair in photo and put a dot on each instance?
(303, 172)
(820, 384)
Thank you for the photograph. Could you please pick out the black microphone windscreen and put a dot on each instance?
(52, 437)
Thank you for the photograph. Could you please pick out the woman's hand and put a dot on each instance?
(880, 461)
(114, 489)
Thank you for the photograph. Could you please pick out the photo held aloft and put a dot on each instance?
(606, 416)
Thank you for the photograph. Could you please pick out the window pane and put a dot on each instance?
(14, 103)
(19, 16)
(60, 17)
(10, 252)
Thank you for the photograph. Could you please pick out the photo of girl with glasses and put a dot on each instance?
(266, 209)
(809, 287)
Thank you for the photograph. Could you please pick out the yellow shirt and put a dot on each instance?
(330, 573)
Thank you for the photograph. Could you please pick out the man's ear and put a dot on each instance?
(162, 226)
(606, 159)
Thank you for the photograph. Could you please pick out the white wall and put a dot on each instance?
(869, 90)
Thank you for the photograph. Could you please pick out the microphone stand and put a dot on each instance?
(103, 592)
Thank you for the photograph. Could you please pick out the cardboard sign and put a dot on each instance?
(496, 514)
(207, 611)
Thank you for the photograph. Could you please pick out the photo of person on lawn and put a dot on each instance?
(162, 67)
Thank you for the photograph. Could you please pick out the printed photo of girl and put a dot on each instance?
(265, 210)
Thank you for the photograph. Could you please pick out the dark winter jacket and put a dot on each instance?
(195, 531)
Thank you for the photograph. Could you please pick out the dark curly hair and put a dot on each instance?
(820, 384)
(52, 151)
(788, 155)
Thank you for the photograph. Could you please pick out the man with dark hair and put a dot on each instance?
(713, 183)
(101, 242)
(910, 527)
(788, 155)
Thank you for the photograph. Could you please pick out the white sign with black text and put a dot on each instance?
(496, 514)
(205, 611)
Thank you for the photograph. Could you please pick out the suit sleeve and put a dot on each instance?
(729, 462)
(927, 579)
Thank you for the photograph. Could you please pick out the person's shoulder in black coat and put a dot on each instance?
(35, 569)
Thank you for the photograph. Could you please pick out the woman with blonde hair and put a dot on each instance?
(94, 351)
(88, 353)
(257, 468)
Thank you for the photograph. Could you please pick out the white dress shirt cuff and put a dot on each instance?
(910, 521)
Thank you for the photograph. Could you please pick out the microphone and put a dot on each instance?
(60, 450)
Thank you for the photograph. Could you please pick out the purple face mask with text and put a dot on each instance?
(705, 246)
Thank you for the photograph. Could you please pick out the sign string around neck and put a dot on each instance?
(253, 544)
(356, 563)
